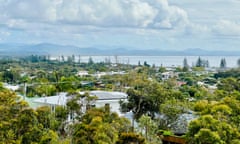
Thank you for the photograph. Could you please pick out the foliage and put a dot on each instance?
(223, 63)
(148, 127)
(202, 63)
(21, 124)
(207, 129)
(99, 126)
(229, 85)
(150, 99)
(130, 138)
(171, 111)
(185, 65)
(218, 122)
(235, 73)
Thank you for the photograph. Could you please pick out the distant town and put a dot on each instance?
(68, 101)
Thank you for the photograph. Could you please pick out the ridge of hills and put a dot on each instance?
(55, 49)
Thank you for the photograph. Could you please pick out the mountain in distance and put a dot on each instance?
(56, 50)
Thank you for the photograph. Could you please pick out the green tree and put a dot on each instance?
(49, 137)
(229, 85)
(98, 126)
(185, 65)
(130, 138)
(146, 98)
(76, 101)
(149, 129)
(21, 124)
(238, 62)
(90, 61)
(218, 121)
(162, 69)
(10, 109)
(44, 116)
(223, 63)
(199, 62)
(207, 129)
(171, 109)
(206, 136)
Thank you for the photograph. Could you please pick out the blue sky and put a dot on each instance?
(142, 24)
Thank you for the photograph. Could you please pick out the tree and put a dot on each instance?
(223, 63)
(139, 63)
(218, 122)
(74, 105)
(202, 63)
(185, 65)
(199, 62)
(171, 111)
(207, 136)
(90, 61)
(238, 62)
(21, 124)
(99, 125)
(229, 85)
(162, 69)
(44, 116)
(10, 109)
(207, 129)
(28, 127)
(207, 63)
(49, 137)
(146, 99)
(59, 121)
(76, 101)
(149, 128)
(130, 138)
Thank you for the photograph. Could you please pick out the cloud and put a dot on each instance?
(171, 23)
(99, 13)
(227, 28)
(4, 34)
(106, 13)
(122, 13)
(28, 10)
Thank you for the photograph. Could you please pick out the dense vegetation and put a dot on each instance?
(158, 104)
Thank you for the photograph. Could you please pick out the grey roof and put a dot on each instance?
(61, 98)
(105, 95)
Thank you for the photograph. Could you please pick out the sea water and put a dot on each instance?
(166, 61)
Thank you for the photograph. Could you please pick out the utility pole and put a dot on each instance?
(25, 91)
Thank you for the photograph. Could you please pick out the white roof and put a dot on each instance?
(105, 95)
(61, 98)
(11, 87)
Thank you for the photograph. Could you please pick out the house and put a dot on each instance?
(87, 84)
(112, 98)
(103, 98)
(168, 75)
(11, 87)
(82, 73)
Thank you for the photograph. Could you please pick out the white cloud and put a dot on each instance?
(4, 34)
(106, 13)
(150, 21)
(225, 27)
(102, 13)
(42, 10)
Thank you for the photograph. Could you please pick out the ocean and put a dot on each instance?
(166, 61)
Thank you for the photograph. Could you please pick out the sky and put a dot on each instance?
(131, 24)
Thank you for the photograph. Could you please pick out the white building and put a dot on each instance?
(82, 73)
(11, 87)
(103, 97)
(168, 75)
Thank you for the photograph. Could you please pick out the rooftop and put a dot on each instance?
(61, 98)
